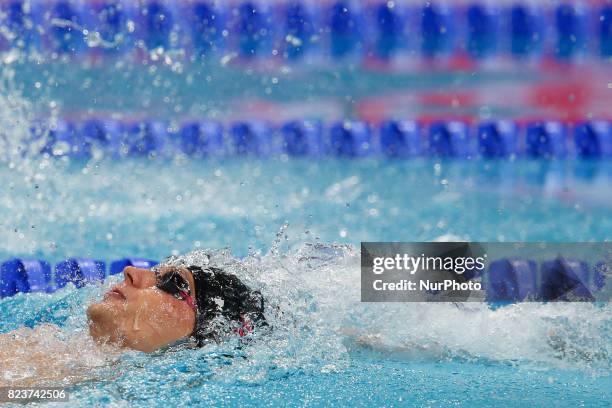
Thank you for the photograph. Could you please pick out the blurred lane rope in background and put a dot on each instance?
(302, 31)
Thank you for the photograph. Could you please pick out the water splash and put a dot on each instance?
(312, 301)
(16, 117)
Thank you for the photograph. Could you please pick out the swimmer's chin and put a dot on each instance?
(99, 312)
(105, 330)
(100, 321)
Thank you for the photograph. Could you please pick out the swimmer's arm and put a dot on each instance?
(370, 340)
(47, 354)
(23, 338)
(26, 334)
(22, 348)
(363, 340)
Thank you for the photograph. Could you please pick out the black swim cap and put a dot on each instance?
(224, 300)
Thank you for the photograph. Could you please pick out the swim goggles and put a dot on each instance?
(173, 283)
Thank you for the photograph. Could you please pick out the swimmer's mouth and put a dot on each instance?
(115, 292)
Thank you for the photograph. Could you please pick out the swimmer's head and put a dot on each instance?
(152, 309)
(225, 305)
(139, 315)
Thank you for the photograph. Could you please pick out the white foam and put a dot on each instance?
(313, 302)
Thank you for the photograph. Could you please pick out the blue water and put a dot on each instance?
(393, 383)
(266, 212)
(466, 355)
(280, 219)
(113, 209)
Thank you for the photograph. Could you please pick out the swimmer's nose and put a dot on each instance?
(138, 277)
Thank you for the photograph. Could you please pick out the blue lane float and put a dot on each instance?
(102, 133)
(252, 138)
(253, 29)
(436, 30)
(108, 20)
(303, 138)
(158, 23)
(201, 139)
(207, 24)
(566, 279)
(66, 28)
(388, 28)
(144, 138)
(507, 280)
(351, 139)
(257, 29)
(450, 139)
(526, 30)
(79, 271)
(546, 140)
(63, 139)
(483, 23)
(515, 280)
(599, 272)
(345, 35)
(605, 31)
(24, 276)
(593, 139)
(498, 139)
(401, 139)
(32, 275)
(20, 22)
(571, 24)
(299, 29)
(502, 139)
(512, 280)
(118, 266)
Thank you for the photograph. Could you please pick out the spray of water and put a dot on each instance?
(313, 304)
(318, 325)
(29, 179)
(311, 290)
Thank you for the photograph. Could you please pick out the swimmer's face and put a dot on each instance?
(138, 315)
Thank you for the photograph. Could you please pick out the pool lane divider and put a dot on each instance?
(507, 280)
(303, 30)
(501, 139)
(30, 275)
(557, 279)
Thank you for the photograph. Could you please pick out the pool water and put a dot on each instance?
(328, 348)
(278, 218)
(291, 228)
(111, 209)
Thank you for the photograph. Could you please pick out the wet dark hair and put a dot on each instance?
(222, 295)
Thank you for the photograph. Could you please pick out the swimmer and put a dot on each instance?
(152, 309)
(148, 311)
